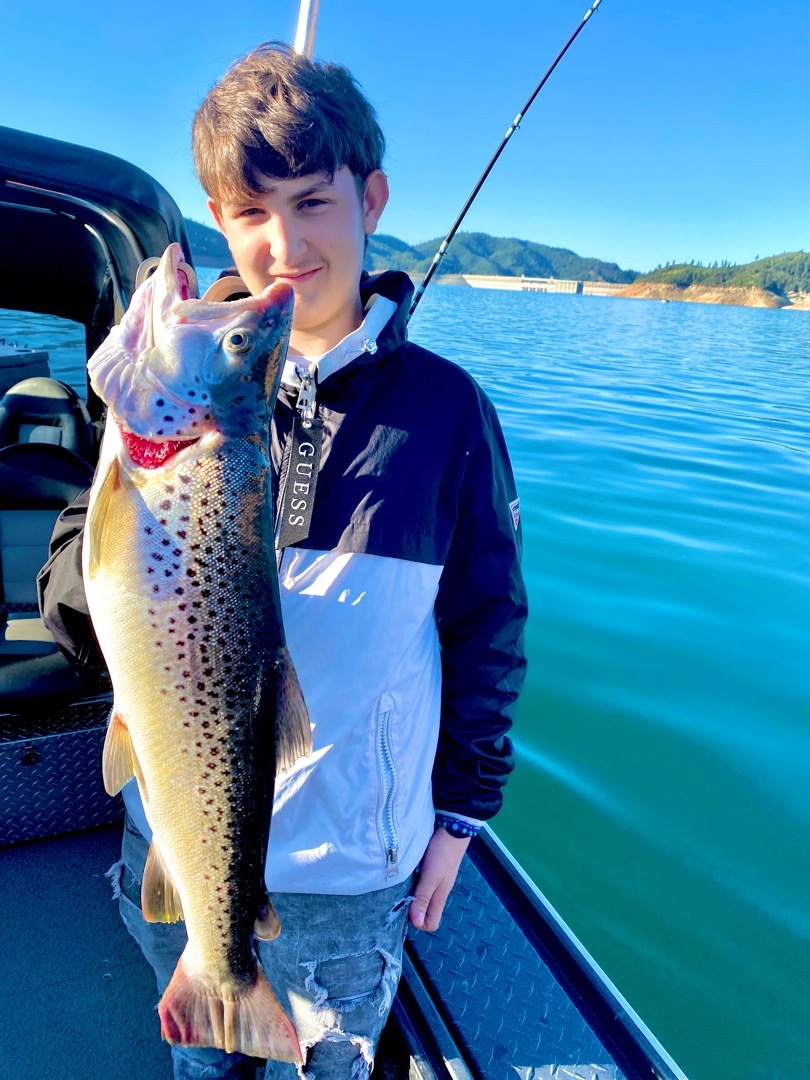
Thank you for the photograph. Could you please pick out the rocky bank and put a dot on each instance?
(708, 294)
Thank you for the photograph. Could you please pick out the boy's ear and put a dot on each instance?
(375, 196)
(212, 206)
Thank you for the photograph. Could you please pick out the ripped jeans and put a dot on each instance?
(334, 967)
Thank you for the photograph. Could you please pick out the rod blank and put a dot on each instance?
(437, 258)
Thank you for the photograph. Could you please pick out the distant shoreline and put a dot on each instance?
(730, 295)
(733, 295)
(216, 262)
(641, 290)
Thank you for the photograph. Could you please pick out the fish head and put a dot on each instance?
(178, 367)
(216, 367)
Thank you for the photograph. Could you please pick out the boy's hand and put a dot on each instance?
(437, 876)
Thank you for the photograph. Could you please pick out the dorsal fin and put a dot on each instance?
(293, 728)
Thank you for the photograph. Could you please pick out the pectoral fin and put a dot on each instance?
(160, 900)
(118, 764)
(98, 515)
(293, 729)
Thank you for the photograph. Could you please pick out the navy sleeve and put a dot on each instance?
(60, 588)
(481, 610)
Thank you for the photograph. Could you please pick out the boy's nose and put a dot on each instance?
(286, 242)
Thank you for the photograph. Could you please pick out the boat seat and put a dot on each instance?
(44, 410)
(37, 481)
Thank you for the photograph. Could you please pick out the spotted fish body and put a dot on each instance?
(182, 589)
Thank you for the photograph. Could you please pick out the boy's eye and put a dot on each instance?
(238, 212)
(312, 202)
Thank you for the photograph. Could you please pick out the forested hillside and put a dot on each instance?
(470, 253)
(780, 274)
(479, 253)
(208, 246)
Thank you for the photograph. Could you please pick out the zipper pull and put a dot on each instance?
(391, 863)
(306, 397)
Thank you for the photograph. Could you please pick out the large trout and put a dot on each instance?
(181, 583)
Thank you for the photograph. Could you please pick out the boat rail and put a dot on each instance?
(505, 987)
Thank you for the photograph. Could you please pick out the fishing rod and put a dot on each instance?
(437, 258)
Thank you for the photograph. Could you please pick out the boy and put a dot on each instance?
(398, 564)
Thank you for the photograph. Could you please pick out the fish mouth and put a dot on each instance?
(153, 453)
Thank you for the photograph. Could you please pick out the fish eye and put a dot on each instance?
(237, 341)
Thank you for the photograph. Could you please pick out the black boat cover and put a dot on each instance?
(74, 221)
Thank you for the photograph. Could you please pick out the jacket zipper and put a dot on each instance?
(388, 776)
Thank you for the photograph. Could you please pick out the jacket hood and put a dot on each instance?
(394, 285)
(397, 286)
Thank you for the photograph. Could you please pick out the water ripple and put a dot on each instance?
(662, 795)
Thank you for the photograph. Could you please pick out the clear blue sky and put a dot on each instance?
(671, 131)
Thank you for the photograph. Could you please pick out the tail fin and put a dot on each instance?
(250, 1020)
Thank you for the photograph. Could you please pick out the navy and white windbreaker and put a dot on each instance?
(403, 610)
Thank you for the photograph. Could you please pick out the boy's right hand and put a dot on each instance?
(437, 876)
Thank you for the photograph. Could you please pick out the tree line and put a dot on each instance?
(779, 274)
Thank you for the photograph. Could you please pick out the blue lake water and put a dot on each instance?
(661, 798)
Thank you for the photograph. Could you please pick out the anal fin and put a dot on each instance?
(160, 900)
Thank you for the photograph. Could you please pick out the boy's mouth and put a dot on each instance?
(298, 277)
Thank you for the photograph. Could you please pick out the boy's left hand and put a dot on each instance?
(437, 876)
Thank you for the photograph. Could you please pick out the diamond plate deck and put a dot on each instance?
(507, 1012)
(50, 772)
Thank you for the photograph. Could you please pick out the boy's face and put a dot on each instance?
(310, 232)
